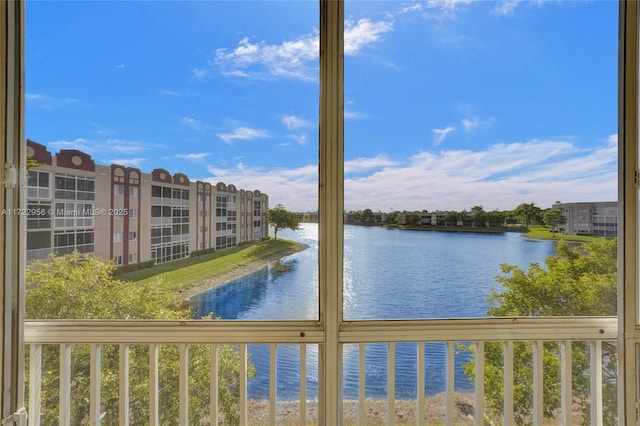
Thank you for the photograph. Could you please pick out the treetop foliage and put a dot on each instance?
(280, 218)
(578, 281)
(78, 286)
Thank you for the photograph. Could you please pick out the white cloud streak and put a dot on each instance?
(440, 134)
(499, 177)
(195, 156)
(292, 122)
(128, 162)
(296, 58)
(37, 100)
(243, 133)
(108, 146)
(192, 122)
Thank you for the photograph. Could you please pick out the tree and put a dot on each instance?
(414, 219)
(366, 215)
(82, 287)
(576, 282)
(553, 218)
(280, 218)
(528, 214)
(391, 218)
(479, 216)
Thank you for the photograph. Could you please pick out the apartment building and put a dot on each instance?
(589, 218)
(123, 214)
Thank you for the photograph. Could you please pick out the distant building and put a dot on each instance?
(120, 213)
(598, 218)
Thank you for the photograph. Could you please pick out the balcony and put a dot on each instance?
(354, 336)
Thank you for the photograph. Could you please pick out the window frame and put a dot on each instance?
(331, 174)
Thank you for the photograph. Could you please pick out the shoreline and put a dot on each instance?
(239, 271)
(288, 412)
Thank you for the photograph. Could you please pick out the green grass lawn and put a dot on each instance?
(543, 232)
(185, 273)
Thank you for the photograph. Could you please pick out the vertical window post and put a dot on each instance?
(628, 208)
(331, 205)
(12, 227)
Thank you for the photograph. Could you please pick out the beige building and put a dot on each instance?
(123, 214)
(597, 218)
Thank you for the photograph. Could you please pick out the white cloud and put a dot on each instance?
(128, 162)
(120, 66)
(299, 139)
(296, 189)
(78, 143)
(353, 115)
(191, 122)
(195, 157)
(296, 58)
(199, 74)
(448, 5)
(505, 7)
(166, 92)
(470, 124)
(97, 147)
(293, 122)
(367, 164)
(363, 33)
(498, 177)
(37, 100)
(243, 133)
(440, 134)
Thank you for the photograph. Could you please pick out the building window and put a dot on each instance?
(132, 236)
(65, 242)
(117, 237)
(38, 184)
(133, 191)
(117, 260)
(133, 257)
(38, 215)
(118, 189)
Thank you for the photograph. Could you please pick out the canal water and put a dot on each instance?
(388, 274)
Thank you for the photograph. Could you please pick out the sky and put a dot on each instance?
(448, 104)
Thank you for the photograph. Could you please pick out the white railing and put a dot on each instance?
(100, 335)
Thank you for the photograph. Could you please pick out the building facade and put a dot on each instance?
(123, 214)
(597, 218)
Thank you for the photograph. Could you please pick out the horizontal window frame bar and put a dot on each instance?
(311, 332)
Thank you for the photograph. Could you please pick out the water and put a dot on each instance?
(388, 274)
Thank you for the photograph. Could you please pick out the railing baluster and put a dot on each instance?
(273, 377)
(538, 388)
(596, 382)
(566, 397)
(420, 384)
(35, 383)
(508, 383)
(94, 378)
(391, 384)
(303, 385)
(361, 384)
(65, 384)
(123, 394)
(450, 385)
(243, 385)
(213, 385)
(479, 387)
(154, 418)
(184, 384)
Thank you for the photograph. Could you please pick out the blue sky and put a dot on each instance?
(448, 104)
